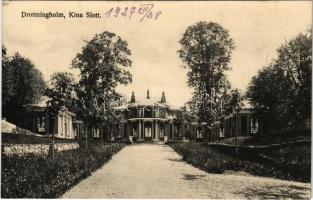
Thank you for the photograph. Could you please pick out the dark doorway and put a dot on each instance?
(244, 130)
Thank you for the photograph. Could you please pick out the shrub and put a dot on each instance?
(18, 138)
(214, 161)
(41, 177)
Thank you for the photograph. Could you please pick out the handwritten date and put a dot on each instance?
(144, 11)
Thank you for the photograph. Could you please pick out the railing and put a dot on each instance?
(141, 115)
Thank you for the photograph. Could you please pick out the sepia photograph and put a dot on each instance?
(156, 99)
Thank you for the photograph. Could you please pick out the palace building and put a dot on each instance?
(147, 119)
(38, 120)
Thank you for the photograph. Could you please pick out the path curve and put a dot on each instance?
(156, 171)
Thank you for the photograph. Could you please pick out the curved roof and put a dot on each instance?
(144, 102)
(147, 102)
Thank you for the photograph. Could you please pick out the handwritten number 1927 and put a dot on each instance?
(145, 10)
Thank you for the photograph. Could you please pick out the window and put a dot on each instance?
(41, 124)
(162, 113)
(254, 126)
(221, 132)
(161, 133)
(134, 132)
(65, 126)
(147, 132)
(96, 132)
(61, 124)
(148, 112)
(199, 134)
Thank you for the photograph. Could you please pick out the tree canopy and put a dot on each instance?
(103, 65)
(206, 51)
(60, 92)
(22, 84)
(284, 87)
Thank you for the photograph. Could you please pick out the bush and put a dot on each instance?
(41, 177)
(277, 138)
(214, 161)
(18, 138)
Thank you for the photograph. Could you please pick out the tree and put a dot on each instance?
(183, 117)
(60, 96)
(23, 84)
(103, 65)
(7, 79)
(234, 100)
(206, 51)
(283, 89)
(295, 58)
(60, 92)
(270, 91)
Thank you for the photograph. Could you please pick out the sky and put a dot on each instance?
(257, 28)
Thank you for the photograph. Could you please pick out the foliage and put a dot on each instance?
(102, 64)
(42, 177)
(7, 79)
(234, 101)
(281, 137)
(21, 136)
(214, 161)
(60, 92)
(183, 117)
(283, 89)
(22, 84)
(206, 50)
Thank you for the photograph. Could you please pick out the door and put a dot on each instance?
(147, 132)
(244, 130)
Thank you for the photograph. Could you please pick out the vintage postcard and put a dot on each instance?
(156, 99)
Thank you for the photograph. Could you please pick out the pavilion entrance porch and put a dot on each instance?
(149, 129)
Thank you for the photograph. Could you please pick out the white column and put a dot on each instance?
(156, 130)
(139, 130)
(59, 124)
(152, 131)
(71, 127)
(143, 131)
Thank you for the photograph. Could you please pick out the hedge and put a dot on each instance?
(216, 161)
(41, 177)
(17, 138)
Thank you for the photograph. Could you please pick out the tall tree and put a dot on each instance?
(60, 93)
(7, 79)
(234, 100)
(183, 117)
(27, 86)
(295, 57)
(206, 51)
(103, 65)
(283, 89)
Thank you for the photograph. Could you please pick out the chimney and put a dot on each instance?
(132, 98)
(148, 95)
(163, 99)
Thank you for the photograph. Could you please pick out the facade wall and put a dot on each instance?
(242, 124)
(64, 126)
(38, 121)
(148, 123)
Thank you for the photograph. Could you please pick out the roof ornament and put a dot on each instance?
(163, 99)
(132, 98)
(148, 95)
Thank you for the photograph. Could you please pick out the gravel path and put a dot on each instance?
(156, 171)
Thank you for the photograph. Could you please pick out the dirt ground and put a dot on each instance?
(156, 171)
